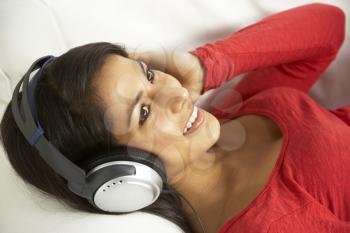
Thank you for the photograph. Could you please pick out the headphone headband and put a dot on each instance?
(32, 130)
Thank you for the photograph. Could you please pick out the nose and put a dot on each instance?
(172, 98)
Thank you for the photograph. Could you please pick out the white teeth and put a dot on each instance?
(192, 119)
(189, 124)
(194, 115)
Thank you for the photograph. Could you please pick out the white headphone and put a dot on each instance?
(123, 180)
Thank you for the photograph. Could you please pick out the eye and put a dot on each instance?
(149, 72)
(150, 75)
(145, 109)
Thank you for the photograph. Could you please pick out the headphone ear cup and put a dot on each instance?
(124, 191)
(92, 161)
(125, 153)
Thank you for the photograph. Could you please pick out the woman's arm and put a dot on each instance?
(290, 48)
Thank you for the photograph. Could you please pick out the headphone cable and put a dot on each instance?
(169, 190)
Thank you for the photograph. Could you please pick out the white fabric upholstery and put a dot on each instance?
(30, 29)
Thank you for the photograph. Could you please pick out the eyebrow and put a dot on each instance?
(137, 99)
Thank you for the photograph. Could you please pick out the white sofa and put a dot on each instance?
(33, 28)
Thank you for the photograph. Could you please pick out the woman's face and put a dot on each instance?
(150, 112)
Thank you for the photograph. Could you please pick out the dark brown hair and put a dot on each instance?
(72, 117)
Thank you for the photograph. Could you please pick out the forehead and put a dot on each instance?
(118, 83)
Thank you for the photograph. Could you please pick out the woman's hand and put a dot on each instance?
(184, 66)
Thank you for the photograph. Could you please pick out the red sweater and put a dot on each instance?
(309, 188)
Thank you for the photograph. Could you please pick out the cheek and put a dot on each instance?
(163, 138)
(155, 138)
(165, 125)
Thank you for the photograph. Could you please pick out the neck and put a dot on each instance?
(204, 185)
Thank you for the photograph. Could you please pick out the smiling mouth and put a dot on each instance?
(190, 119)
(194, 121)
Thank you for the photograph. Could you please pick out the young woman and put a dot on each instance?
(265, 158)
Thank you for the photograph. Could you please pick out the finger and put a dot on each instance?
(134, 56)
(145, 57)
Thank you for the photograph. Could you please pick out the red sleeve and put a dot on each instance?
(291, 48)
